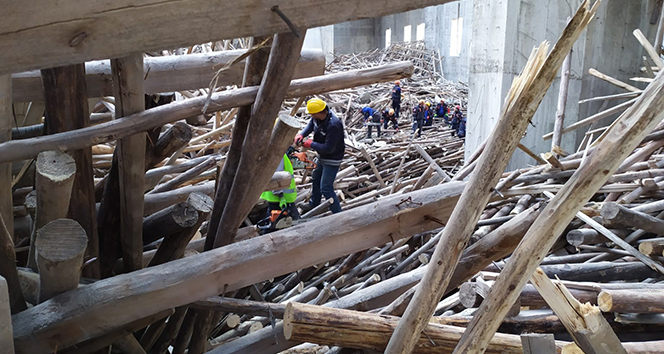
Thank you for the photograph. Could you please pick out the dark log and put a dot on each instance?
(170, 332)
(597, 272)
(238, 265)
(258, 156)
(578, 237)
(170, 221)
(617, 214)
(67, 110)
(6, 340)
(167, 74)
(248, 307)
(201, 330)
(18, 150)
(184, 335)
(60, 246)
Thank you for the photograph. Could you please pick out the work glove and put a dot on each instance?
(307, 143)
(298, 139)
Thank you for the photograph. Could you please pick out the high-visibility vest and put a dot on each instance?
(283, 196)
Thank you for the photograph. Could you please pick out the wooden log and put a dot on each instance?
(562, 103)
(606, 158)
(432, 163)
(8, 270)
(6, 338)
(6, 122)
(649, 48)
(67, 110)
(54, 179)
(60, 247)
(523, 99)
(580, 237)
(373, 167)
(612, 80)
(186, 176)
(319, 209)
(224, 100)
(253, 75)
(198, 277)
(170, 221)
(170, 332)
(631, 301)
(171, 141)
(128, 76)
(652, 248)
(617, 214)
(584, 322)
(129, 345)
(167, 73)
(594, 118)
(359, 330)
(538, 343)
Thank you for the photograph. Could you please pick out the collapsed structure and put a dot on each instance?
(127, 222)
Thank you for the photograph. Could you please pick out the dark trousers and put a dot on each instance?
(322, 182)
(396, 106)
(369, 128)
(394, 123)
(417, 126)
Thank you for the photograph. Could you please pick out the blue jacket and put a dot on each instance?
(461, 131)
(419, 113)
(370, 112)
(441, 109)
(328, 139)
(396, 94)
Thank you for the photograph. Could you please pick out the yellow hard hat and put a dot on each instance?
(428, 103)
(315, 105)
(391, 111)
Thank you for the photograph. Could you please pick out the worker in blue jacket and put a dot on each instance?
(419, 113)
(328, 142)
(461, 132)
(456, 119)
(442, 110)
(396, 98)
(371, 118)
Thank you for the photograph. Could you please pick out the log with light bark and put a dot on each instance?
(67, 110)
(23, 149)
(186, 176)
(632, 301)
(523, 99)
(54, 179)
(60, 247)
(620, 141)
(253, 75)
(6, 340)
(127, 73)
(359, 330)
(584, 322)
(167, 73)
(227, 268)
(8, 269)
(431, 162)
(263, 148)
(6, 122)
(616, 214)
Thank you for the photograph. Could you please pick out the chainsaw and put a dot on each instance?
(300, 160)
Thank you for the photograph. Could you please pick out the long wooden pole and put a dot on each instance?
(605, 159)
(95, 306)
(6, 340)
(562, 102)
(6, 120)
(129, 99)
(525, 96)
(24, 149)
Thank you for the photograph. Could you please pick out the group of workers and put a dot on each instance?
(328, 142)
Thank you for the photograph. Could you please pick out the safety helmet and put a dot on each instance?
(421, 101)
(315, 105)
(458, 107)
(398, 82)
(391, 111)
(428, 103)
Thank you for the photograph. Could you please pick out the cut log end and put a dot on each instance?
(290, 121)
(289, 317)
(605, 301)
(56, 165)
(610, 210)
(52, 246)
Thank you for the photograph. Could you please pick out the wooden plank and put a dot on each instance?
(128, 75)
(652, 52)
(524, 98)
(538, 343)
(6, 338)
(166, 74)
(591, 175)
(562, 102)
(78, 31)
(373, 167)
(23, 149)
(225, 269)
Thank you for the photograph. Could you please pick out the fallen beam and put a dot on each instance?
(93, 310)
(167, 74)
(25, 149)
(79, 31)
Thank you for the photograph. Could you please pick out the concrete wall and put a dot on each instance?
(397, 23)
(321, 38)
(355, 36)
(513, 27)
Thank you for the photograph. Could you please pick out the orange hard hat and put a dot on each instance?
(398, 82)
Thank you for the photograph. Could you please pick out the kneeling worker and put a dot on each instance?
(281, 210)
(328, 141)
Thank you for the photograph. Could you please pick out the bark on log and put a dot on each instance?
(24, 149)
(54, 180)
(359, 330)
(60, 247)
(167, 74)
(631, 301)
(617, 214)
(606, 158)
(8, 270)
(522, 102)
(237, 265)
(128, 76)
(6, 339)
(652, 248)
(67, 110)
(168, 222)
(253, 75)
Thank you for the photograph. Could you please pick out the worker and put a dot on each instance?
(461, 132)
(390, 116)
(328, 142)
(418, 118)
(442, 110)
(281, 209)
(396, 98)
(372, 118)
(428, 116)
(456, 119)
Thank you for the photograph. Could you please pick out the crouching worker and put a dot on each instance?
(281, 210)
(328, 142)
(372, 119)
